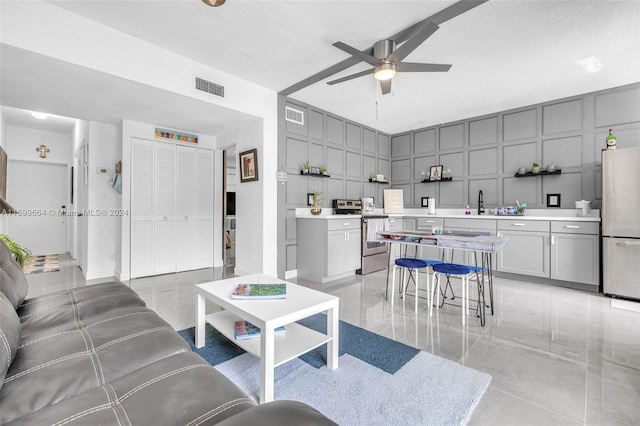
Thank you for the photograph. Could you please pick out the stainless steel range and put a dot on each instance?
(375, 255)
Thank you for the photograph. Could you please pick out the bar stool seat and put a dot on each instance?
(452, 269)
(410, 264)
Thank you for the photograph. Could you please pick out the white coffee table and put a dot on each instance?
(273, 350)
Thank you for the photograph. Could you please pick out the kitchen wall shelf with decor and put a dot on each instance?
(447, 179)
(540, 173)
(314, 174)
(377, 181)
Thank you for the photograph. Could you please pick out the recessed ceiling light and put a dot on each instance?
(39, 115)
(590, 64)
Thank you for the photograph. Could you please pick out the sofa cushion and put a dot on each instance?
(9, 335)
(55, 366)
(179, 390)
(64, 310)
(13, 282)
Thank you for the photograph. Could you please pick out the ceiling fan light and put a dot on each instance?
(214, 3)
(384, 71)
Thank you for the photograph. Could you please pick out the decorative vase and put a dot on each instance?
(535, 170)
(315, 210)
(305, 171)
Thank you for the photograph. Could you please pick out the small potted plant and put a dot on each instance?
(535, 168)
(305, 167)
(323, 170)
(317, 199)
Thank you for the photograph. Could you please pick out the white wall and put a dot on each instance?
(102, 238)
(95, 46)
(3, 218)
(21, 144)
(250, 254)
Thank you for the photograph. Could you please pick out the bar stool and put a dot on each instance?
(452, 269)
(411, 265)
(430, 263)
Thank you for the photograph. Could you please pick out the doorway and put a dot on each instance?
(39, 192)
(229, 211)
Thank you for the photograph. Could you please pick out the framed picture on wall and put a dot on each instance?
(553, 200)
(249, 165)
(436, 173)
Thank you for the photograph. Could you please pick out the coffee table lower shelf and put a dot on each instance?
(296, 340)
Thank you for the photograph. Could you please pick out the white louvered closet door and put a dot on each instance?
(204, 159)
(142, 229)
(165, 208)
(186, 207)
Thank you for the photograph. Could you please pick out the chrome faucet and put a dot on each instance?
(480, 203)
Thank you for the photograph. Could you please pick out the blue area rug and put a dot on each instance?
(379, 381)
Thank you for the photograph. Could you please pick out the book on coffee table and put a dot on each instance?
(246, 330)
(260, 291)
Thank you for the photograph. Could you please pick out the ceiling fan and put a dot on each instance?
(385, 57)
(387, 60)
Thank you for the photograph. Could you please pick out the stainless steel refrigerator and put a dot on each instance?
(621, 222)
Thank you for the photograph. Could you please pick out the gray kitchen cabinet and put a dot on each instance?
(528, 249)
(575, 252)
(328, 249)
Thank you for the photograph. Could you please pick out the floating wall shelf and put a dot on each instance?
(557, 172)
(314, 174)
(377, 181)
(447, 179)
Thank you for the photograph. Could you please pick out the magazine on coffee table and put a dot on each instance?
(260, 291)
(246, 330)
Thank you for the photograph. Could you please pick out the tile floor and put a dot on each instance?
(557, 356)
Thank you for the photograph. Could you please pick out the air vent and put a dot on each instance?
(294, 116)
(209, 87)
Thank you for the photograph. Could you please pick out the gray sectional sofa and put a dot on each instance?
(97, 355)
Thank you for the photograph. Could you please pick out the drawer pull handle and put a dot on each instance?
(519, 224)
(572, 227)
(628, 243)
(346, 224)
(430, 221)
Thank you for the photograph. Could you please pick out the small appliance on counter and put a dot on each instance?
(347, 206)
(367, 205)
(583, 208)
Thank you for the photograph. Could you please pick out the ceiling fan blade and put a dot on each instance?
(385, 86)
(438, 18)
(423, 33)
(357, 53)
(416, 67)
(351, 77)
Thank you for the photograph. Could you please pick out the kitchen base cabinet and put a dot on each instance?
(528, 250)
(328, 249)
(575, 252)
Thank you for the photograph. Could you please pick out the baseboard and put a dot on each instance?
(100, 275)
(290, 274)
(101, 280)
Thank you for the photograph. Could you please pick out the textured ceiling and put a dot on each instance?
(505, 54)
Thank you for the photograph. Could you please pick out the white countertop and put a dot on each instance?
(530, 214)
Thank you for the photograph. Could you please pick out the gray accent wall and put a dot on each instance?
(483, 153)
(350, 151)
